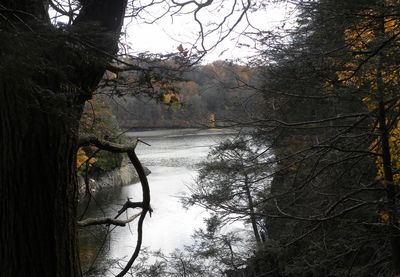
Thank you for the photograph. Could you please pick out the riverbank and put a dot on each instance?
(172, 156)
(121, 176)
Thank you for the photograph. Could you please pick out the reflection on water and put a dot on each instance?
(172, 159)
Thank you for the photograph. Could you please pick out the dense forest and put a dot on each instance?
(315, 175)
(210, 95)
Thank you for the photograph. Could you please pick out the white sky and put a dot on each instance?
(168, 33)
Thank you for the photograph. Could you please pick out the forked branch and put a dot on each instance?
(87, 140)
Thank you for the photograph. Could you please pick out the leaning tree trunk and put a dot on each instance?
(45, 77)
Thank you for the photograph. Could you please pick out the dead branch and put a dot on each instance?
(106, 220)
(129, 204)
(318, 218)
(114, 221)
(87, 140)
(145, 208)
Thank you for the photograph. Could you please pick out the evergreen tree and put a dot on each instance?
(330, 209)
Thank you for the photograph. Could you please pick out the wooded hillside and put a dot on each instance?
(209, 95)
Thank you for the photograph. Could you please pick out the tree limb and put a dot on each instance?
(86, 140)
(106, 220)
(146, 208)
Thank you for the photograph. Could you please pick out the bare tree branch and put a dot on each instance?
(106, 220)
(86, 140)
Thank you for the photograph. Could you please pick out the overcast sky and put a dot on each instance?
(165, 35)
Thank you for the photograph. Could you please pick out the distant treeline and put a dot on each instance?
(210, 95)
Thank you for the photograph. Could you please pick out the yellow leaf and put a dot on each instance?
(82, 158)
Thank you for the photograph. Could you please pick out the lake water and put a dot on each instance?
(172, 158)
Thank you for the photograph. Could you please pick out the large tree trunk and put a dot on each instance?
(45, 78)
(38, 186)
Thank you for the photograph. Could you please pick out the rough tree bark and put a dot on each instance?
(43, 86)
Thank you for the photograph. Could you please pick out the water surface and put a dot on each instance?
(172, 158)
